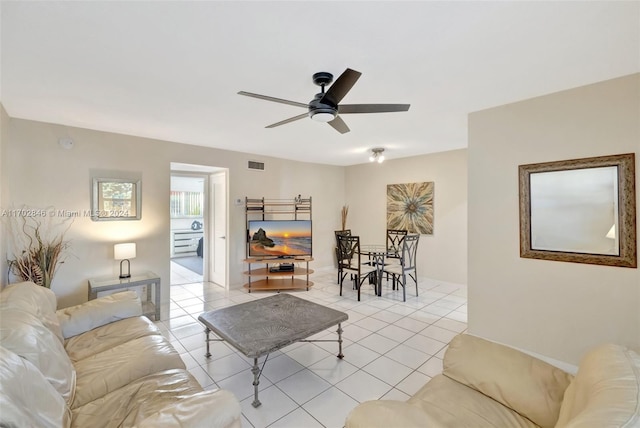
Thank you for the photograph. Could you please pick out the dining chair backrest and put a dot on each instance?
(339, 258)
(394, 242)
(349, 262)
(409, 251)
(348, 247)
(345, 232)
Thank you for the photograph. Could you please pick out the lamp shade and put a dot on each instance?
(124, 251)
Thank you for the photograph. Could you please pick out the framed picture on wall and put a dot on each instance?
(410, 207)
(116, 199)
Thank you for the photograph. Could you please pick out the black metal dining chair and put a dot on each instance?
(349, 262)
(394, 246)
(344, 232)
(407, 266)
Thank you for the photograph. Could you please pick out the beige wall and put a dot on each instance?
(41, 173)
(554, 309)
(443, 255)
(4, 195)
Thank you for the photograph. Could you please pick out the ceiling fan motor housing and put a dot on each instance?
(325, 106)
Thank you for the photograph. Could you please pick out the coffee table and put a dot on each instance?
(262, 326)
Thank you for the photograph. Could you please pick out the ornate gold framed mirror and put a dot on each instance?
(580, 210)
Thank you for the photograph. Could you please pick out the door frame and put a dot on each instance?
(206, 171)
(224, 173)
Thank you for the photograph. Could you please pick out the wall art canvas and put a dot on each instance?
(410, 207)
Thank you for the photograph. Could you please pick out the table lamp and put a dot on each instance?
(124, 252)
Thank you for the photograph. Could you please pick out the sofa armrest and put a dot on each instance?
(215, 409)
(385, 414)
(78, 319)
(525, 384)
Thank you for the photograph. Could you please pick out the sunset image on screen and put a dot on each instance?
(279, 238)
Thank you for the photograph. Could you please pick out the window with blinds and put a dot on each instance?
(186, 204)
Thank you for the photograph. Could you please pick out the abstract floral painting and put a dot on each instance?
(410, 207)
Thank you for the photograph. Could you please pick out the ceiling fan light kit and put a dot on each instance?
(325, 107)
(320, 116)
(376, 155)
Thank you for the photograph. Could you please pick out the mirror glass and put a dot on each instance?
(574, 210)
(579, 210)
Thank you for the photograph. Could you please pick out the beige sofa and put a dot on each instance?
(484, 384)
(99, 364)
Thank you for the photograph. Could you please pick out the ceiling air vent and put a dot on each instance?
(255, 165)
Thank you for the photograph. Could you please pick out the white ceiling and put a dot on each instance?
(172, 70)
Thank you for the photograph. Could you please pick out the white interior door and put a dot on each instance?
(218, 253)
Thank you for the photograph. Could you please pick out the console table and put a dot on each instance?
(107, 283)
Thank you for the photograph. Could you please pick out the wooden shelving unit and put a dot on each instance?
(261, 278)
(264, 208)
(277, 281)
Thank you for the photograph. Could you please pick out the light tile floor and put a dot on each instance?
(391, 349)
(182, 275)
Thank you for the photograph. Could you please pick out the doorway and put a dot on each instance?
(187, 205)
(198, 224)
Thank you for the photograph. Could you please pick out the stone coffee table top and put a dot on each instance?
(262, 326)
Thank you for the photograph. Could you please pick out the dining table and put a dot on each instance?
(376, 254)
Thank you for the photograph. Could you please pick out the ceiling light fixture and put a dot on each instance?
(323, 116)
(376, 155)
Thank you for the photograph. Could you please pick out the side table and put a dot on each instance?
(107, 283)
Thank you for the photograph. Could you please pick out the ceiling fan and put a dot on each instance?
(325, 107)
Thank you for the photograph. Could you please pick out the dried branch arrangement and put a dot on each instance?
(38, 244)
(344, 213)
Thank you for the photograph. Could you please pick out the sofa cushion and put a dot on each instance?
(450, 403)
(159, 392)
(441, 403)
(521, 382)
(77, 319)
(108, 336)
(144, 397)
(24, 334)
(109, 370)
(22, 390)
(605, 391)
(32, 298)
(388, 413)
(213, 408)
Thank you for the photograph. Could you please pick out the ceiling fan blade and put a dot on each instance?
(341, 86)
(275, 100)
(339, 125)
(291, 119)
(372, 108)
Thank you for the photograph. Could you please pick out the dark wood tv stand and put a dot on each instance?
(262, 279)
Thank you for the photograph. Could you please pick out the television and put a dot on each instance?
(279, 238)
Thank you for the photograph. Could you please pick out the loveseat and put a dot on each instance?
(484, 384)
(98, 364)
